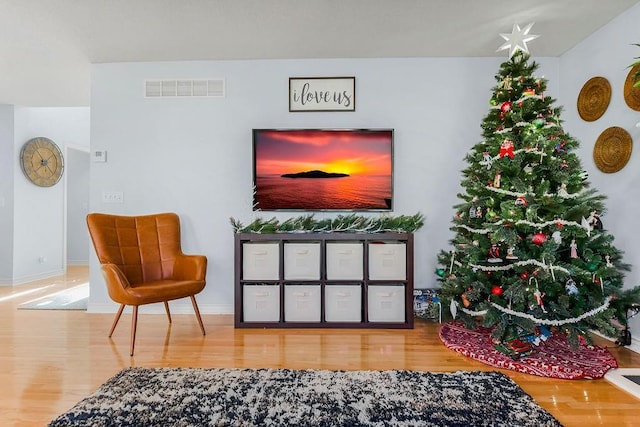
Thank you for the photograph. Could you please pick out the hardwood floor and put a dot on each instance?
(50, 359)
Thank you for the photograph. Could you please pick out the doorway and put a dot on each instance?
(77, 206)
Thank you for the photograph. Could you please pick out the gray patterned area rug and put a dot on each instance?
(282, 397)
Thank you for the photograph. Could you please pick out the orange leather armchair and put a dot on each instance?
(142, 263)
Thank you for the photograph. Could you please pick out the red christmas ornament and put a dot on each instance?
(524, 275)
(497, 290)
(539, 238)
(506, 149)
(505, 107)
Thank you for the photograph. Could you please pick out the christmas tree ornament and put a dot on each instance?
(505, 83)
(529, 92)
(571, 287)
(453, 308)
(524, 275)
(494, 254)
(539, 238)
(440, 272)
(539, 121)
(584, 223)
(510, 254)
(559, 148)
(538, 296)
(592, 266)
(608, 260)
(487, 159)
(473, 213)
(562, 191)
(557, 237)
(491, 215)
(594, 221)
(493, 102)
(506, 149)
(465, 300)
(496, 180)
(521, 201)
(573, 249)
(506, 107)
(497, 290)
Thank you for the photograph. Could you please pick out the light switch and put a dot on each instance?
(112, 197)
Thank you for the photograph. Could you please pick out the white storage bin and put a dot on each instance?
(260, 261)
(386, 303)
(387, 261)
(345, 261)
(302, 261)
(343, 303)
(261, 303)
(302, 303)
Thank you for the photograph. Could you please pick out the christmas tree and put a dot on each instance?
(530, 256)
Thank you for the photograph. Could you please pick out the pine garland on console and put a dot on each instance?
(342, 223)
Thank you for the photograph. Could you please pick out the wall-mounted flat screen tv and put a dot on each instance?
(323, 169)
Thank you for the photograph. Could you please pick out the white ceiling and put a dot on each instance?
(47, 46)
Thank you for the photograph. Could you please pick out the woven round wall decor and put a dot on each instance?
(612, 149)
(632, 94)
(594, 98)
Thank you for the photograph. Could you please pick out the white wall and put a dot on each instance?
(193, 156)
(608, 53)
(38, 223)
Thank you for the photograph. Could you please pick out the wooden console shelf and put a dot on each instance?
(324, 280)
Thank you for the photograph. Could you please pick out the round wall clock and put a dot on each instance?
(41, 161)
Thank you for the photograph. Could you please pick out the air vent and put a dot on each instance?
(184, 88)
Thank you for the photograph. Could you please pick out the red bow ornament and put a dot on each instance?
(506, 149)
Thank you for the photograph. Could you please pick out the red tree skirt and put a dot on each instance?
(552, 358)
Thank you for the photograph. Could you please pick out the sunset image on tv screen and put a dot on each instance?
(323, 169)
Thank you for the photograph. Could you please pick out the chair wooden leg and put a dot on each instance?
(115, 321)
(134, 324)
(195, 308)
(166, 308)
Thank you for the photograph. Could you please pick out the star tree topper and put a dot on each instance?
(518, 39)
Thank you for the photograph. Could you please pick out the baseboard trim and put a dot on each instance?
(634, 346)
(30, 278)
